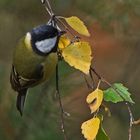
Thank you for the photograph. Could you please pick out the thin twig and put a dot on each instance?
(116, 89)
(130, 122)
(49, 6)
(92, 78)
(48, 11)
(87, 83)
(105, 81)
(129, 110)
(66, 28)
(60, 104)
(99, 77)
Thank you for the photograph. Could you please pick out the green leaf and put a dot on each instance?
(112, 96)
(102, 134)
(118, 95)
(124, 92)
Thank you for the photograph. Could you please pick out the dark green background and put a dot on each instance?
(117, 60)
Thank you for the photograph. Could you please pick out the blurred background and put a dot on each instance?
(115, 29)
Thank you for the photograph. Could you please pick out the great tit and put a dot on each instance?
(34, 60)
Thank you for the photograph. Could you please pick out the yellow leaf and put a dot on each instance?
(63, 42)
(90, 128)
(78, 55)
(95, 99)
(77, 25)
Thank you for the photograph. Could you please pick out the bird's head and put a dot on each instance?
(44, 39)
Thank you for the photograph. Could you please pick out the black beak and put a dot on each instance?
(61, 33)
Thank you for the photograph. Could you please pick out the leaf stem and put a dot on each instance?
(136, 122)
(105, 81)
(60, 17)
(99, 83)
(127, 104)
(66, 28)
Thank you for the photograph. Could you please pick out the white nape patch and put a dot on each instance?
(28, 36)
(28, 40)
(45, 46)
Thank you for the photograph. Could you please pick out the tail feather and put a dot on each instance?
(21, 100)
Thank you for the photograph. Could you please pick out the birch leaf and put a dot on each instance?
(63, 42)
(78, 55)
(95, 99)
(90, 128)
(102, 134)
(120, 94)
(78, 25)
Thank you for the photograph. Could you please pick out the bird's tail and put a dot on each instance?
(21, 100)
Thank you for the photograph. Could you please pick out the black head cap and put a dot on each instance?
(39, 37)
(43, 32)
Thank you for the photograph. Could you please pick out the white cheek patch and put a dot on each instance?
(45, 46)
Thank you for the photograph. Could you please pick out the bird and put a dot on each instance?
(34, 60)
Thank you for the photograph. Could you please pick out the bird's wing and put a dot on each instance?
(19, 83)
